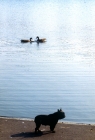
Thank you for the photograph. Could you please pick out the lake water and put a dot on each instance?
(41, 78)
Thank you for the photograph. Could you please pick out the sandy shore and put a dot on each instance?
(17, 129)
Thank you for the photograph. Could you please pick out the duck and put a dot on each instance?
(40, 40)
(25, 40)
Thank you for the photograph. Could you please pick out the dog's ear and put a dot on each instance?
(58, 110)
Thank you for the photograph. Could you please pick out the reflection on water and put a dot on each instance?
(40, 78)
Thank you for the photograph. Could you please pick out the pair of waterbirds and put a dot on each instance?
(31, 40)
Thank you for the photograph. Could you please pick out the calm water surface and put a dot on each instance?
(41, 78)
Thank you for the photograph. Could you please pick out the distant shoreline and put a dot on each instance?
(28, 119)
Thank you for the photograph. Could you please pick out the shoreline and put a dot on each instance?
(22, 128)
(28, 119)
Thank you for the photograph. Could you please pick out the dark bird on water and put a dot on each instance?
(25, 40)
(40, 40)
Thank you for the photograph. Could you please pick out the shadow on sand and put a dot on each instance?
(30, 134)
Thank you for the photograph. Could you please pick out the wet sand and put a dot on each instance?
(16, 129)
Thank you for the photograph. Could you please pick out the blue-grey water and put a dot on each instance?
(41, 78)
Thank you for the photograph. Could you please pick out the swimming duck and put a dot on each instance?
(25, 40)
(40, 40)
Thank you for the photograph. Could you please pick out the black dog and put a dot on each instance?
(50, 120)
